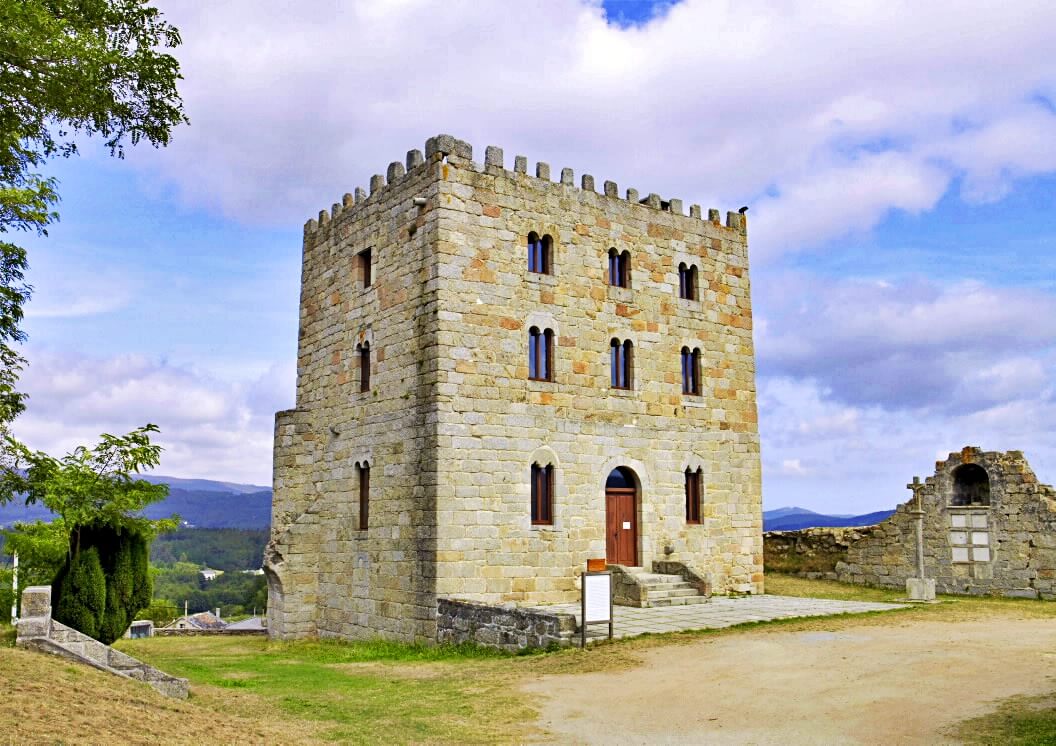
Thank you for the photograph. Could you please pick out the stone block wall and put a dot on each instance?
(811, 552)
(506, 628)
(326, 576)
(493, 422)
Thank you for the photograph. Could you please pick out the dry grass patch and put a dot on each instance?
(50, 700)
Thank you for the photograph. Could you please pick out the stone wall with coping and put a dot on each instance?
(452, 424)
(504, 627)
(38, 631)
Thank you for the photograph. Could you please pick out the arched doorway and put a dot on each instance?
(621, 517)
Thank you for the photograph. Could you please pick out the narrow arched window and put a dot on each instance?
(687, 281)
(365, 273)
(691, 371)
(542, 494)
(693, 479)
(363, 351)
(621, 363)
(540, 354)
(364, 494)
(619, 268)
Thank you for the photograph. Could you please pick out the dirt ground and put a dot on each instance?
(904, 683)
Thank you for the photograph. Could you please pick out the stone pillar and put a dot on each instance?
(919, 588)
(36, 612)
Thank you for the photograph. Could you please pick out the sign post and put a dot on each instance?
(596, 602)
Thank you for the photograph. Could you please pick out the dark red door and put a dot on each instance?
(621, 523)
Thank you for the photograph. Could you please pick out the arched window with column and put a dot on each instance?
(687, 281)
(691, 371)
(540, 354)
(621, 356)
(619, 268)
(539, 253)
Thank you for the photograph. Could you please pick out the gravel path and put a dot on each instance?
(906, 683)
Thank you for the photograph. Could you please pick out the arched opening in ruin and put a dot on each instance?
(621, 517)
(971, 485)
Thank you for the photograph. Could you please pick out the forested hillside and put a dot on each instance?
(219, 548)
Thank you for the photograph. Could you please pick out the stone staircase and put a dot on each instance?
(38, 631)
(637, 587)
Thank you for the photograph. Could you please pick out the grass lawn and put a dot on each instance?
(367, 692)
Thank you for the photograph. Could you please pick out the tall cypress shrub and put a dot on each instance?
(81, 590)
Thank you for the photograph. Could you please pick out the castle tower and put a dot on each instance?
(500, 376)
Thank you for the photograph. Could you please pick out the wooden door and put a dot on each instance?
(621, 524)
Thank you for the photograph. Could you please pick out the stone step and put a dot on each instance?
(646, 578)
(672, 592)
(678, 601)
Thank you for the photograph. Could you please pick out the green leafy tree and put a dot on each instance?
(42, 550)
(97, 500)
(70, 68)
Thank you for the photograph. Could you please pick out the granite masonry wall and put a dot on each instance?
(452, 423)
(504, 627)
(811, 552)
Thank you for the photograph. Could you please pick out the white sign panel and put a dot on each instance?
(597, 590)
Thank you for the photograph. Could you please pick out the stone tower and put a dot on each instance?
(500, 376)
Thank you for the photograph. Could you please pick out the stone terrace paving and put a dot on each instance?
(721, 611)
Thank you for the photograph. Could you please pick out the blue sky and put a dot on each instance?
(899, 161)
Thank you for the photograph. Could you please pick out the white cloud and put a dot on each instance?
(210, 429)
(907, 344)
(865, 467)
(826, 116)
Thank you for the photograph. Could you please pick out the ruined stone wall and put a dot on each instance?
(493, 422)
(1005, 548)
(327, 577)
(811, 552)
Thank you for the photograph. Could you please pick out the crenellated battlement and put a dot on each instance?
(448, 149)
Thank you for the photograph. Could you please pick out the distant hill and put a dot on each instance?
(199, 502)
(793, 519)
(205, 485)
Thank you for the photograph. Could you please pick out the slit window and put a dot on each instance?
(540, 354)
(691, 371)
(619, 268)
(693, 479)
(539, 250)
(364, 366)
(687, 281)
(364, 495)
(364, 267)
(621, 356)
(542, 494)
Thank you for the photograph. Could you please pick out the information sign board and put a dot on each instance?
(596, 602)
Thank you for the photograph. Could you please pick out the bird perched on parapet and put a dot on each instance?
(743, 210)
